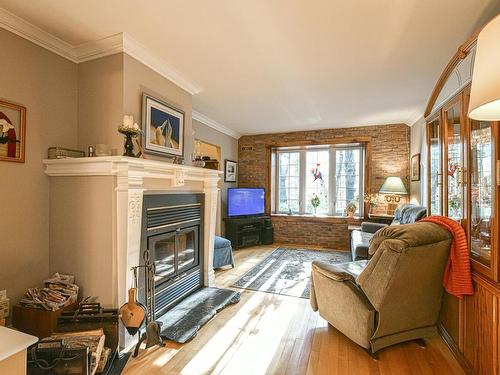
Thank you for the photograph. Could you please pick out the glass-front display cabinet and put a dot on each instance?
(463, 178)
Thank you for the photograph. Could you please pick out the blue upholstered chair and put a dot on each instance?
(223, 252)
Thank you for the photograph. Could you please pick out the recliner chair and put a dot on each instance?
(391, 298)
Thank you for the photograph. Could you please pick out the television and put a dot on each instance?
(245, 201)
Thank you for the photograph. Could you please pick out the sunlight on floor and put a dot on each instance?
(247, 342)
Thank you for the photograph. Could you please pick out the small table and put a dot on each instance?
(13, 345)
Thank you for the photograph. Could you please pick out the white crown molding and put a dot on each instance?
(99, 48)
(34, 34)
(138, 51)
(414, 118)
(215, 125)
(95, 49)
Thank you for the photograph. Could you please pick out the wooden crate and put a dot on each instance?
(36, 322)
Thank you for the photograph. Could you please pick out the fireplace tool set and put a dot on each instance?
(133, 314)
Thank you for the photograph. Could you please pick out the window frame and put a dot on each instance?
(332, 183)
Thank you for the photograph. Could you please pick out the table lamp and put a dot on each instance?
(485, 89)
(393, 188)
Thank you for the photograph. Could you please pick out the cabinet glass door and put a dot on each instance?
(435, 166)
(482, 190)
(455, 162)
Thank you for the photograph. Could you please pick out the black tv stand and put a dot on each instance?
(249, 231)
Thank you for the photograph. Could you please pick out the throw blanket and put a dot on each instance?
(457, 275)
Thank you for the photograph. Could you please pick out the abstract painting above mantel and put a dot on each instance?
(12, 132)
(163, 128)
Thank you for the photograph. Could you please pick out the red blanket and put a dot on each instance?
(457, 275)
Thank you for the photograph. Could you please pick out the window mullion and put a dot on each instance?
(331, 185)
(361, 181)
(302, 183)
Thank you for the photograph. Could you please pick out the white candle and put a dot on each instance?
(128, 121)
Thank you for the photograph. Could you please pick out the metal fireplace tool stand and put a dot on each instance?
(152, 332)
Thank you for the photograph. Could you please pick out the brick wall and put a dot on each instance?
(388, 148)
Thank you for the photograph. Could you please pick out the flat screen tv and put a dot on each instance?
(245, 201)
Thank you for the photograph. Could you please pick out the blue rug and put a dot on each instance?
(287, 271)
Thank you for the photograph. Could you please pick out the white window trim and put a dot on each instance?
(332, 183)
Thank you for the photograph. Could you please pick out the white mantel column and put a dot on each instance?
(129, 198)
(211, 190)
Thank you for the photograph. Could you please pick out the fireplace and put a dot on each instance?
(111, 190)
(172, 232)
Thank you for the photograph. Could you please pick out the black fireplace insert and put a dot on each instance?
(172, 231)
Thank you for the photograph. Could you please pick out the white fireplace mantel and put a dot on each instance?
(95, 217)
(130, 171)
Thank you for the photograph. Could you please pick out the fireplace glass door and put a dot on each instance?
(187, 243)
(174, 252)
(162, 248)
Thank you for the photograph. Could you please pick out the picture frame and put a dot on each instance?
(415, 168)
(12, 132)
(162, 128)
(230, 170)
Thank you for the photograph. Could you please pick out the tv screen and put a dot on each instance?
(245, 201)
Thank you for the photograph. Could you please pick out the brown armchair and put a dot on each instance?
(393, 297)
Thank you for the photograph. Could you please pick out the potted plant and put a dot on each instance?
(315, 202)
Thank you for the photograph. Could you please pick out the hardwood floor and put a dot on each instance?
(271, 334)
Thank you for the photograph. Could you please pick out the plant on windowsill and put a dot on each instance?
(315, 202)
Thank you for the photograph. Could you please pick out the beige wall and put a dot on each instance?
(417, 146)
(229, 150)
(138, 78)
(100, 102)
(46, 85)
(81, 232)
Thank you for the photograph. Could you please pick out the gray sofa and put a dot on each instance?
(360, 239)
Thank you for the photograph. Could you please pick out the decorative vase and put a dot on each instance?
(129, 145)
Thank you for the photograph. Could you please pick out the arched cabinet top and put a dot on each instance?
(456, 75)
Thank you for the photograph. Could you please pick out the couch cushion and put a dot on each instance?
(360, 242)
(413, 214)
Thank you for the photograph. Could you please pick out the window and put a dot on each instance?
(331, 176)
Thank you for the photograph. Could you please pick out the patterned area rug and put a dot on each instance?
(287, 271)
(182, 322)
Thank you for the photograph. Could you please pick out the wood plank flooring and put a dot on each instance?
(271, 334)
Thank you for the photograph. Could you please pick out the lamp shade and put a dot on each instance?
(393, 185)
(485, 90)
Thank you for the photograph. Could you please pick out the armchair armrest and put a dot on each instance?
(371, 227)
(332, 272)
(341, 302)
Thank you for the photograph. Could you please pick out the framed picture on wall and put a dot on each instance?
(12, 132)
(230, 170)
(163, 128)
(415, 168)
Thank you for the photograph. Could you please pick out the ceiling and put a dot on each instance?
(284, 65)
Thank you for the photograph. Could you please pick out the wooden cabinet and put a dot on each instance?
(463, 182)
